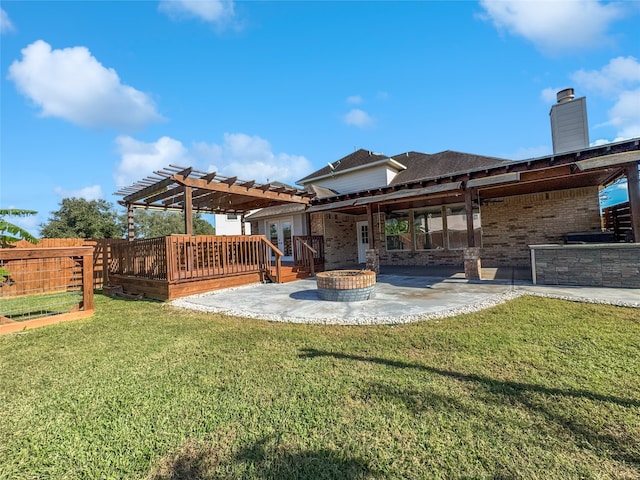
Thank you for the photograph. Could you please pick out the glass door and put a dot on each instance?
(280, 233)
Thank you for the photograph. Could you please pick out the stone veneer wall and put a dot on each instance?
(511, 224)
(609, 265)
(339, 231)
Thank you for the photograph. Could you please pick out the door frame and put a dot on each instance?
(279, 222)
(362, 251)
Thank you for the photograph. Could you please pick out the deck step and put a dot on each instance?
(291, 274)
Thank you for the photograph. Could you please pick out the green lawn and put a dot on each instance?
(535, 388)
(31, 307)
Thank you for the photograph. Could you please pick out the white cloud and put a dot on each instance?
(217, 12)
(239, 155)
(552, 26)
(6, 26)
(618, 81)
(549, 94)
(355, 100)
(625, 114)
(251, 158)
(93, 192)
(358, 118)
(71, 84)
(529, 152)
(618, 75)
(140, 159)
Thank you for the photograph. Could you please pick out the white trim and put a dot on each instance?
(385, 161)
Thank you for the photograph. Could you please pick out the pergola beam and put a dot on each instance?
(239, 189)
(155, 187)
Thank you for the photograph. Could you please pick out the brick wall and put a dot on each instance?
(614, 265)
(340, 243)
(510, 224)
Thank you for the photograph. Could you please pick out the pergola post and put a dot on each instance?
(243, 230)
(131, 227)
(633, 187)
(188, 211)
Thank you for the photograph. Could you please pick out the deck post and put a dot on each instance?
(468, 206)
(188, 211)
(633, 187)
(131, 227)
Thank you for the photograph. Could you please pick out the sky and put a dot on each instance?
(95, 95)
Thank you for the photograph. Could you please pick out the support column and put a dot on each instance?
(633, 187)
(242, 227)
(131, 226)
(188, 211)
(472, 264)
(370, 225)
(468, 206)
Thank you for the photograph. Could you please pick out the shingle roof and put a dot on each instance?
(422, 166)
(290, 208)
(356, 159)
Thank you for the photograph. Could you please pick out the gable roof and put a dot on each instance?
(422, 166)
(358, 159)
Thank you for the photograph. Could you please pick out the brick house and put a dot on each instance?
(436, 209)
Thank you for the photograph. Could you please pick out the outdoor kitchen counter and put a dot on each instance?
(594, 264)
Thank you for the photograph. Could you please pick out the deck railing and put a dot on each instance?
(178, 258)
(142, 258)
(308, 249)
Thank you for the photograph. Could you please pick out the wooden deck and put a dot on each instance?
(176, 266)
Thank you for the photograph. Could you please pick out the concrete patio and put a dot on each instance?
(403, 295)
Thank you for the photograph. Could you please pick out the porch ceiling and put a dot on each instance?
(210, 192)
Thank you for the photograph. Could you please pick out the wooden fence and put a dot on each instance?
(617, 219)
(101, 254)
(45, 285)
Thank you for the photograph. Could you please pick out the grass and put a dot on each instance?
(29, 307)
(535, 388)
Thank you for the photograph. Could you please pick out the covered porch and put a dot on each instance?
(480, 219)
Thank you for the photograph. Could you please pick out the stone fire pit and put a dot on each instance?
(346, 285)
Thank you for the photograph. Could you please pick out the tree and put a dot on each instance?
(80, 218)
(10, 233)
(154, 223)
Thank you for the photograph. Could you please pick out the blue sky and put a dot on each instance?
(96, 95)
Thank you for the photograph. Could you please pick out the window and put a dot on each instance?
(428, 229)
(433, 228)
(457, 228)
(232, 217)
(397, 231)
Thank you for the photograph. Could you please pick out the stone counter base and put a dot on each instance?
(595, 265)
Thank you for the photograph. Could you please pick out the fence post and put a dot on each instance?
(87, 281)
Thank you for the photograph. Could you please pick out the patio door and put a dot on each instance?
(281, 235)
(363, 241)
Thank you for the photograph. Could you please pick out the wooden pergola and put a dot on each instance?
(189, 190)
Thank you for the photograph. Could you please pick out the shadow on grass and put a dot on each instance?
(622, 447)
(265, 459)
(495, 386)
